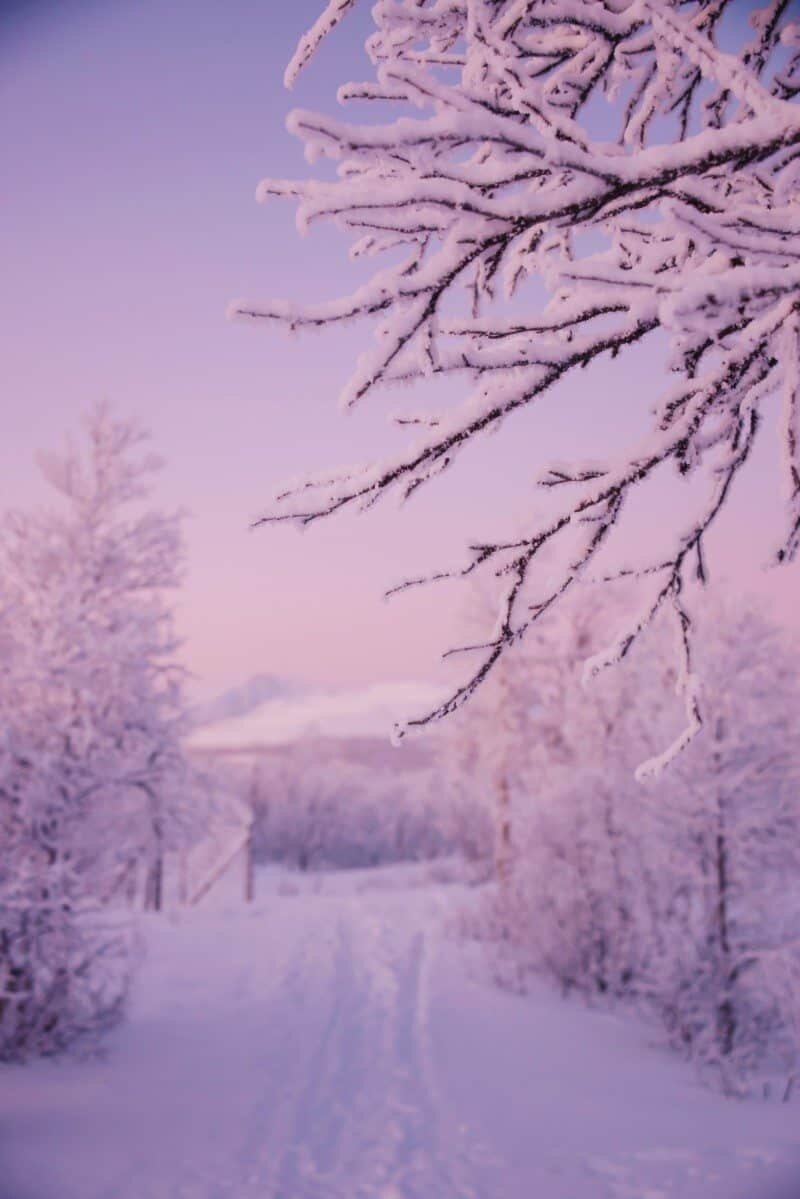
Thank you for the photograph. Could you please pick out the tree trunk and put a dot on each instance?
(725, 1015)
(154, 885)
(502, 847)
(183, 875)
(249, 877)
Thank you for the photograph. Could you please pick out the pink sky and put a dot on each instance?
(135, 133)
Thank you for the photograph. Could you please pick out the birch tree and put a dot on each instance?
(640, 160)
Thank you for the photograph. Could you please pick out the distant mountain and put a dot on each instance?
(281, 719)
(238, 701)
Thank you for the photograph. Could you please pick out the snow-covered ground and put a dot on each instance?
(335, 1041)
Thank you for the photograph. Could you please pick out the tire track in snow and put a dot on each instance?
(316, 1111)
(361, 1116)
(300, 1024)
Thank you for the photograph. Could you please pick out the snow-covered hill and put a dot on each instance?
(238, 701)
(358, 713)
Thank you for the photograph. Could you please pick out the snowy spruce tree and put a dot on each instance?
(638, 161)
(92, 777)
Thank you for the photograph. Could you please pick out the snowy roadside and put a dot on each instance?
(332, 1042)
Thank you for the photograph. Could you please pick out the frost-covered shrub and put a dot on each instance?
(577, 903)
(64, 975)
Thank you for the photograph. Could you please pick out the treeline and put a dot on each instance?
(313, 811)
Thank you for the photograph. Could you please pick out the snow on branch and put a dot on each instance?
(690, 198)
(306, 47)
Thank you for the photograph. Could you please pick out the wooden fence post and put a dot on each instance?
(249, 877)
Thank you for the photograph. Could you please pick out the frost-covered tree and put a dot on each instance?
(487, 749)
(729, 984)
(92, 777)
(683, 896)
(640, 159)
(575, 897)
(516, 726)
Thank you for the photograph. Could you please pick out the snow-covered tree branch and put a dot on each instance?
(645, 168)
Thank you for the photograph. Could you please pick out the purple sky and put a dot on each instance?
(134, 134)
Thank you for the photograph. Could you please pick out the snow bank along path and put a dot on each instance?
(333, 1042)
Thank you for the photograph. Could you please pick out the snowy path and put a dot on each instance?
(330, 1043)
